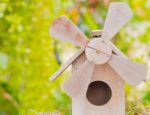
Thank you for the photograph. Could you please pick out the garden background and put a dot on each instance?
(29, 55)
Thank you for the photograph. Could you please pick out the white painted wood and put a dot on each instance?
(78, 62)
(62, 28)
(113, 47)
(118, 15)
(98, 51)
(80, 104)
(67, 64)
(133, 73)
(117, 51)
(78, 83)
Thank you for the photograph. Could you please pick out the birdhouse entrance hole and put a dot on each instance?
(98, 93)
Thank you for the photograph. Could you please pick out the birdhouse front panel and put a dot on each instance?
(103, 93)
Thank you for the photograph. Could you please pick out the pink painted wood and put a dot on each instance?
(62, 28)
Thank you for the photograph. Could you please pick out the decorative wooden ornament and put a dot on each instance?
(100, 69)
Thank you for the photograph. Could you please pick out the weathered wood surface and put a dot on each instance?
(98, 51)
(63, 29)
(67, 64)
(80, 104)
(131, 72)
(75, 84)
(118, 15)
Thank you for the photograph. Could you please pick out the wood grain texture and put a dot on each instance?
(79, 80)
(67, 64)
(98, 51)
(116, 105)
(63, 29)
(133, 73)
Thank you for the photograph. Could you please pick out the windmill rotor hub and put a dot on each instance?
(98, 51)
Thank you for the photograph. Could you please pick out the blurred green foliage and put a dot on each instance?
(28, 55)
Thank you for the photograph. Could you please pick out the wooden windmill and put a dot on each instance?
(100, 70)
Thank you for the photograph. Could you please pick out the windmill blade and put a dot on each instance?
(118, 15)
(117, 51)
(67, 64)
(80, 80)
(133, 73)
(63, 29)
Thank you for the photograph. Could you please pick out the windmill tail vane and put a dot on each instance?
(100, 50)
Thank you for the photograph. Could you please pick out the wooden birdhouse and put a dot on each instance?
(99, 69)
